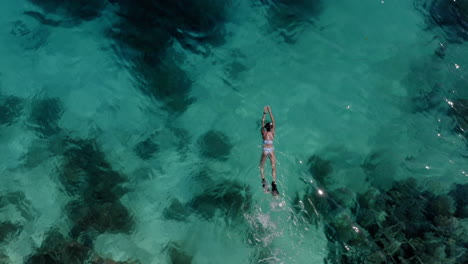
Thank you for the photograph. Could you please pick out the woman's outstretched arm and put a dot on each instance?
(265, 109)
(271, 117)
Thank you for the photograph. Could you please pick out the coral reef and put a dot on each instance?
(451, 16)
(146, 149)
(176, 211)
(89, 177)
(10, 109)
(167, 82)
(425, 85)
(147, 29)
(404, 224)
(19, 201)
(76, 9)
(57, 248)
(460, 195)
(201, 20)
(29, 32)
(45, 115)
(228, 198)
(4, 259)
(176, 254)
(289, 17)
(460, 111)
(320, 169)
(8, 230)
(109, 217)
(215, 144)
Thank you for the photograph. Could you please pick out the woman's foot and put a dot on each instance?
(274, 190)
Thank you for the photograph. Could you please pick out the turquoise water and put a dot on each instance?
(129, 130)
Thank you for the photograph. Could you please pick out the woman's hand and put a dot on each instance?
(268, 108)
(265, 109)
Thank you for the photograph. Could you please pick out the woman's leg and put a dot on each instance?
(273, 165)
(262, 165)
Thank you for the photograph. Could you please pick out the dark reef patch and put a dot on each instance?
(166, 82)
(4, 259)
(404, 224)
(460, 195)
(146, 31)
(39, 17)
(29, 32)
(177, 255)
(215, 145)
(145, 149)
(57, 249)
(228, 198)
(176, 211)
(19, 201)
(451, 16)
(289, 17)
(201, 20)
(425, 85)
(320, 169)
(88, 176)
(183, 139)
(75, 9)
(86, 171)
(311, 206)
(45, 115)
(9, 230)
(11, 108)
(460, 111)
(111, 217)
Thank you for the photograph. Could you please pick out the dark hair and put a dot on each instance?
(268, 126)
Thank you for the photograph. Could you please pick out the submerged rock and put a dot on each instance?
(145, 149)
(20, 202)
(11, 108)
(201, 20)
(459, 194)
(229, 198)
(451, 16)
(168, 83)
(146, 32)
(343, 197)
(215, 144)
(404, 224)
(59, 249)
(4, 259)
(88, 176)
(177, 255)
(110, 217)
(176, 211)
(460, 111)
(101, 260)
(56, 248)
(87, 172)
(288, 17)
(29, 33)
(45, 115)
(320, 169)
(76, 9)
(441, 205)
(9, 230)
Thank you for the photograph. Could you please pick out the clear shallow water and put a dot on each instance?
(106, 124)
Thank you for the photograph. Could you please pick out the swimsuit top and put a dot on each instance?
(268, 142)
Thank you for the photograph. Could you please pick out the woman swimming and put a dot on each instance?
(268, 134)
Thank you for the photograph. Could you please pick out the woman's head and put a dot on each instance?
(268, 126)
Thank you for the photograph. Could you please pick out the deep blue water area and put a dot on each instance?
(129, 131)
